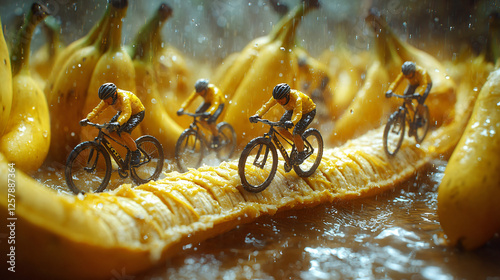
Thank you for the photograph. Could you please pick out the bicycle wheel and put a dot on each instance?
(394, 133)
(88, 168)
(189, 150)
(422, 127)
(151, 163)
(227, 138)
(255, 168)
(313, 146)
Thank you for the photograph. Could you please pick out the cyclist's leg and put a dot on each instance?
(287, 116)
(212, 120)
(299, 129)
(125, 131)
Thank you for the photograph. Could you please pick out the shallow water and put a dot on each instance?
(395, 235)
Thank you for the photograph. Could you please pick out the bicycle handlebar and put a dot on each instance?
(105, 125)
(271, 123)
(194, 115)
(413, 96)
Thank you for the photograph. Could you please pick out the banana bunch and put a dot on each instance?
(43, 60)
(261, 65)
(370, 99)
(145, 51)
(469, 192)
(69, 82)
(6, 84)
(26, 136)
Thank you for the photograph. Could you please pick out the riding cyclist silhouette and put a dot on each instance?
(212, 106)
(130, 112)
(300, 112)
(419, 84)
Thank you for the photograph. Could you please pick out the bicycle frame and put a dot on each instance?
(197, 126)
(409, 118)
(272, 136)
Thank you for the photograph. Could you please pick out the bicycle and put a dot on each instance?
(194, 142)
(395, 128)
(88, 167)
(257, 170)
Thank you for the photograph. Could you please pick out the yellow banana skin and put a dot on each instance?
(6, 84)
(26, 137)
(469, 194)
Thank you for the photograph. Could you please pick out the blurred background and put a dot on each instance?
(210, 30)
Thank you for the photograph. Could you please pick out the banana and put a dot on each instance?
(145, 51)
(5, 84)
(114, 66)
(43, 60)
(140, 227)
(469, 192)
(276, 63)
(26, 137)
(68, 85)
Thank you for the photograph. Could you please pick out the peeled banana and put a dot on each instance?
(5, 84)
(26, 137)
(469, 192)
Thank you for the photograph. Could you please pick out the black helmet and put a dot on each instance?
(201, 85)
(281, 91)
(107, 90)
(408, 68)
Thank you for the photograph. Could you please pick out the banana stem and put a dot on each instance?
(287, 35)
(21, 49)
(148, 41)
(283, 26)
(52, 28)
(112, 35)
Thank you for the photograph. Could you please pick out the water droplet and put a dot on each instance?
(282, 48)
(45, 134)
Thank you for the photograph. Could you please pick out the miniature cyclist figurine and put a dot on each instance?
(300, 112)
(130, 113)
(212, 106)
(419, 82)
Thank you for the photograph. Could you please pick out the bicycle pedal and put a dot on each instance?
(288, 167)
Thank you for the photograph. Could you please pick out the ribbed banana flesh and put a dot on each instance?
(139, 227)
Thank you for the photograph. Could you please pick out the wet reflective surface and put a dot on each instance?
(395, 235)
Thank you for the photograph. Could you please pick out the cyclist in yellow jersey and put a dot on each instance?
(212, 106)
(419, 83)
(130, 112)
(300, 112)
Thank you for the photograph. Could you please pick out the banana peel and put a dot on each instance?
(6, 84)
(43, 60)
(139, 227)
(26, 137)
(468, 208)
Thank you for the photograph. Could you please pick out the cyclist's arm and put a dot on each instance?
(97, 110)
(190, 100)
(396, 82)
(266, 107)
(217, 100)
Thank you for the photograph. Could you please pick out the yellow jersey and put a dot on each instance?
(299, 102)
(212, 95)
(126, 102)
